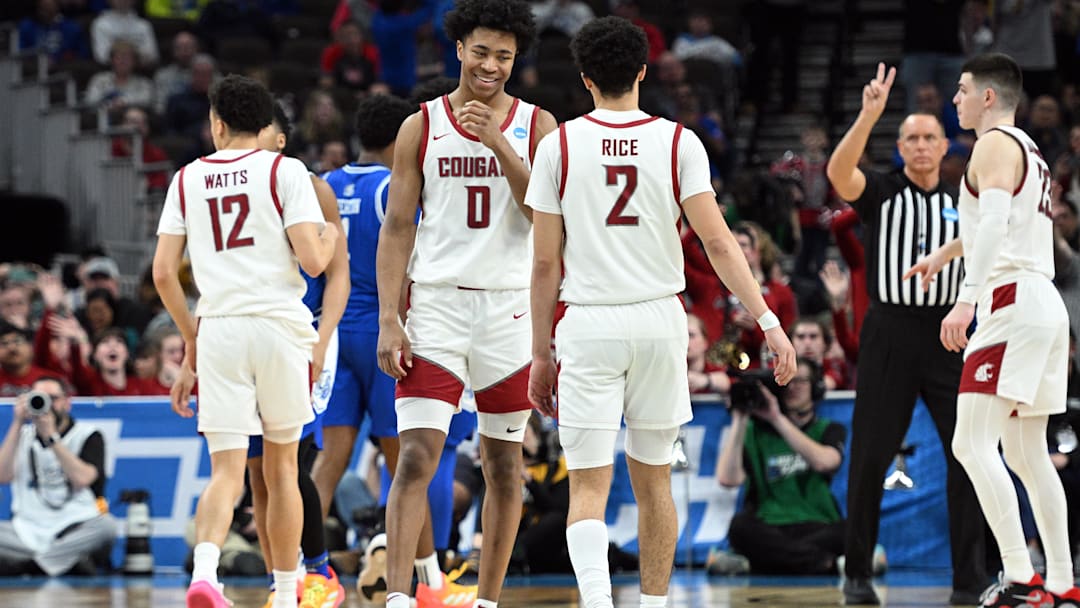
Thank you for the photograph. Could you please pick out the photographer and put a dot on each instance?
(55, 466)
(789, 523)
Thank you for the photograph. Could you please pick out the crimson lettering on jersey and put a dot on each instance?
(226, 179)
(1045, 204)
(618, 147)
(469, 166)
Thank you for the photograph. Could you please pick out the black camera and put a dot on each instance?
(745, 394)
(38, 403)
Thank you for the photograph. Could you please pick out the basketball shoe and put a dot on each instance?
(452, 595)
(322, 592)
(372, 580)
(1069, 599)
(1017, 595)
(204, 594)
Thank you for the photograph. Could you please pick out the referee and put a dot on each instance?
(905, 216)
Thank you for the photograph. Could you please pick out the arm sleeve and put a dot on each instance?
(695, 176)
(298, 200)
(994, 205)
(93, 453)
(543, 192)
(172, 217)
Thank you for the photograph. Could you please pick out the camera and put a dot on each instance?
(745, 394)
(38, 403)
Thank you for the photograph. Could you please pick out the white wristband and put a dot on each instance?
(768, 321)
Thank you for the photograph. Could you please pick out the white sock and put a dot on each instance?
(653, 601)
(587, 541)
(428, 571)
(285, 588)
(485, 604)
(397, 600)
(980, 425)
(206, 563)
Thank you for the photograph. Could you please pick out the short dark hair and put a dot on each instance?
(378, 119)
(512, 16)
(610, 51)
(1000, 72)
(242, 103)
(7, 328)
(281, 119)
(432, 88)
(65, 386)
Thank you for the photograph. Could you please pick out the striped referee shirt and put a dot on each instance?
(902, 223)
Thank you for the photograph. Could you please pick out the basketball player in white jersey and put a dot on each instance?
(246, 217)
(1014, 374)
(466, 158)
(608, 191)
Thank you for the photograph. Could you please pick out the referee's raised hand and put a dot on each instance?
(876, 92)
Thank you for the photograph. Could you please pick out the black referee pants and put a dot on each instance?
(900, 359)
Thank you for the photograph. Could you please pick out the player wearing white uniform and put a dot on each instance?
(466, 156)
(1014, 373)
(247, 217)
(608, 191)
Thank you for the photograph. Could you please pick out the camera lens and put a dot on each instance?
(37, 403)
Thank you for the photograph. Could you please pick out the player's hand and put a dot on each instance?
(481, 121)
(394, 349)
(876, 92)
(927, 268)
(318, 359)
(955, 325)
(21, 414)
(836, 282)
(780, 345)
(771, 411)
(51, 290)
(542, 376)
(45, 425)
(181, 391)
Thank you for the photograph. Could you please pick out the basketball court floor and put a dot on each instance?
(907, 588)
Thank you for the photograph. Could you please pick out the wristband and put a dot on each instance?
(768, 321)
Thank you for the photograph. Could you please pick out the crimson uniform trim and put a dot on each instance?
(428, 380)
(1004, 295)
(511, 394)
(991, 355)
(273, 185)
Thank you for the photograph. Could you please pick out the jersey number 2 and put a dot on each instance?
(615, 217)
(479, 206)
(225, 205)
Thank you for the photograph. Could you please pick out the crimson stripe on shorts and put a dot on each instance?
(428, 380)
(1004, 295)
(982, 369)
(511, 394)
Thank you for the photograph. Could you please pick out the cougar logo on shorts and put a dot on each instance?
(984, 373)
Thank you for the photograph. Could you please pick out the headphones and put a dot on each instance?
(817, 379)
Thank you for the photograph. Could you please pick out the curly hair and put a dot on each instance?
(610, 51)
(242, 103)
(512, 16)
(432, 88)
(282, 120)
(378, 119)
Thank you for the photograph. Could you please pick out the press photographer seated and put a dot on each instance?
(55, 466)
(790, 523)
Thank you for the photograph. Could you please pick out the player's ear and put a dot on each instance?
(642, 71)
(460, 50)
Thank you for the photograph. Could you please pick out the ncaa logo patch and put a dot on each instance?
(520, 132)
(950, 214)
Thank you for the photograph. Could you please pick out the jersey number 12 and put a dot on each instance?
(224, 205)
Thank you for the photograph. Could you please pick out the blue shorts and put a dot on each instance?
(360, 387)
(311, 429)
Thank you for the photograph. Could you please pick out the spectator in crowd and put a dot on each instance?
(121, 22)
(150, 364)
(1024, 31)
(187, 110)
(49, 32)
(172, 346)
(804, 172)
(1044, 127)
(351, 61)
(107, 373)
(790, 522)
(359, 11)
(56, 468)
(704, 375)
(175, 77)
(123, 145)
(932, 49)
(813, 341)
(699, 42)
(120, 86)
(15, 305)
(99, 316)
(707, 125)
(1066, 256)
(848, 302)
(103, 272)
(629, 10)
(17, 370)
(540, 547)
(563, 16)
(321, 122)
(171, 9)
(395, 21)
(928, 100)
(334, 155)
(1068, 164)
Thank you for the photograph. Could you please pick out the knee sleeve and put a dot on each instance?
(282, 436)
(509, 426)
(588, 448)
(423, 413)
(651, 446)
(219, 442)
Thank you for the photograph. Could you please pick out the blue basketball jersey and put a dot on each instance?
(361, 191)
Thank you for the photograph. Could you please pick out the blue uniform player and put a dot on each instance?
(326, 297)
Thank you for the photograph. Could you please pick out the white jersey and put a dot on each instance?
(472, 233)
(234, 207)
(619, 180)
(1028, 246)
